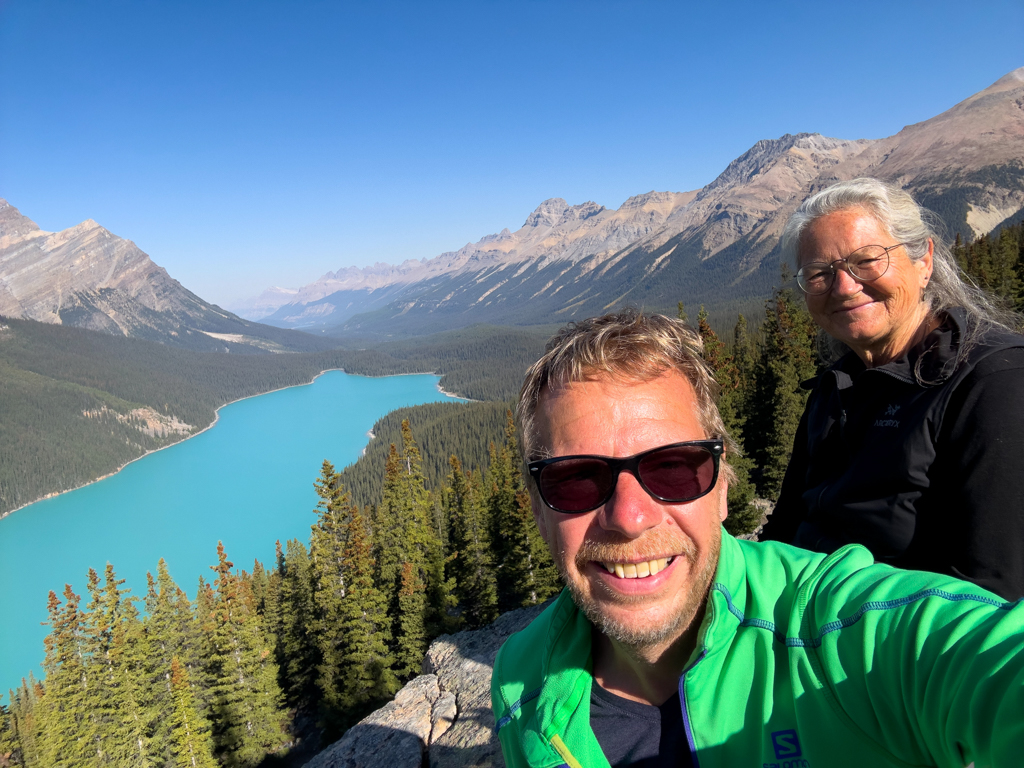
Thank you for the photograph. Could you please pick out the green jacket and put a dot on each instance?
(803, 661)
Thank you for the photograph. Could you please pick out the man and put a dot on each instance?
(676, 644)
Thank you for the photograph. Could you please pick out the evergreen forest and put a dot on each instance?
(430, 532)
(76, 405)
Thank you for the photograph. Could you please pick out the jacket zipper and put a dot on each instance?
(682, 703)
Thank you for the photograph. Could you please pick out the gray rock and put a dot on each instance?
(443, 717)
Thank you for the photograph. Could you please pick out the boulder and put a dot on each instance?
(440, 719)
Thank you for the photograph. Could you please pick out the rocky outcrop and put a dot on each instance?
(443, 717)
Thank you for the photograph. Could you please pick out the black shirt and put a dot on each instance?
(639, 735)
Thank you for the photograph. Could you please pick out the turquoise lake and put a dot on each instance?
(247, 481)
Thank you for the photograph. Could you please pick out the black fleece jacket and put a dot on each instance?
(920, 462)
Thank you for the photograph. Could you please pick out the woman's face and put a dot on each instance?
(877, 320)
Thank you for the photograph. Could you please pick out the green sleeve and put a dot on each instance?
(928, 667)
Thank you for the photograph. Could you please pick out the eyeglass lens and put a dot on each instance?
(865, 264)
(672, 473)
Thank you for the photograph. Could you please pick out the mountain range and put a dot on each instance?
(716, 245)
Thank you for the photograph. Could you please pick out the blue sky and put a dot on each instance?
(250, 144)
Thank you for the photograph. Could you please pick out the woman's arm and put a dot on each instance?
(978, 492)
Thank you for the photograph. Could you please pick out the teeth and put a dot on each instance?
(637, 570)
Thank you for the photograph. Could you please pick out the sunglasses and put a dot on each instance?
(672, 473)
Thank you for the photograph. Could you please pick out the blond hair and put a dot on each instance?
(627, 345)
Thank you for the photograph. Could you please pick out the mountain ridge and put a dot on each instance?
(87, 277)
(716, 245)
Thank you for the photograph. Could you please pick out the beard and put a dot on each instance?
(640, 637)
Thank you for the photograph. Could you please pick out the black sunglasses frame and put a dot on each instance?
(631, 464)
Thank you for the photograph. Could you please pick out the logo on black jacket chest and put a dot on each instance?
(890, 410)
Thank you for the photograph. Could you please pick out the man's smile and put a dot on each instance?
(638, 570)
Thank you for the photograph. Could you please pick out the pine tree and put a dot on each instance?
(743, 517)
(329, 574)
(25, 723)
(170, 630)
(404, 536)
(526, 574)
(271, 598)
(412, 635)
(10, 746)
(247, 715)
(115, 643)
(365, 675)
(786, 358)
(392, 517)
(743, 357)
(299, 653)
(189, 740)
(65, 730)
(1006, 282)
(470, 565)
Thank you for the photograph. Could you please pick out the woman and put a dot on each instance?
(912, 442)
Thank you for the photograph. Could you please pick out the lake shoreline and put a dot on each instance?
(246, 484)
(212, 424)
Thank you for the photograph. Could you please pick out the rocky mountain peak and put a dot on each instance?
(503, 235)
(12, 223)
(756, 159)
(547, 214)
(580, 212)
(652, 197)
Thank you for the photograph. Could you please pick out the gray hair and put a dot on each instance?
(907, 222)
(627, 345)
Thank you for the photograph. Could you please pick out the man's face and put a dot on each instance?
(608, 417)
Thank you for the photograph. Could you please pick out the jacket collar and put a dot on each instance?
(567, 666)
(929, 362)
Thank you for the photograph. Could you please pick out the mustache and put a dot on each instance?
(659, 542)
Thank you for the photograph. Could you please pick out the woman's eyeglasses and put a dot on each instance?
(864, 265)
(673, 473)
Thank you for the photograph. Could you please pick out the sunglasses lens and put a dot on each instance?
(576, 485)
(678, 473)
(673, 473)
